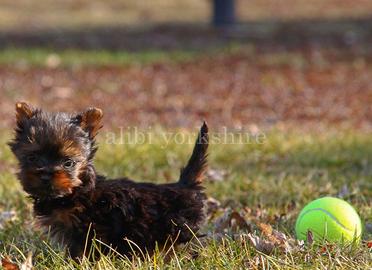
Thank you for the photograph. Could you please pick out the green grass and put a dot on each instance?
(75, 58)
(80, 58)
(288, 169)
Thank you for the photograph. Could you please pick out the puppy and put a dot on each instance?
(55, 152)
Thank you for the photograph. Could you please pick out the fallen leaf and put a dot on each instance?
(7, 264)
(369, 244)
(237, 222)
(326, 249)
(280, 236)
(309, 237)
(261, 244)
(294, 245)
(266, 229)
(280, 240)
(273, 235)
(231, 221)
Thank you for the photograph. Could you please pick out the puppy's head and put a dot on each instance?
(54, 149)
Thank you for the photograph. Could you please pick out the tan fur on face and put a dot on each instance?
(62, 182)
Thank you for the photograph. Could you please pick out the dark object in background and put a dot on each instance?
(55, 153)
(223, 12)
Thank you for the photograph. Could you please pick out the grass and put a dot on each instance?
(79, 58)
(289, 168)
(44, 57)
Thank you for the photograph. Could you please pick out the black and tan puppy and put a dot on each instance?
(55, 153)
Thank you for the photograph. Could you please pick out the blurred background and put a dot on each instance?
(301, 63)
(297, 71)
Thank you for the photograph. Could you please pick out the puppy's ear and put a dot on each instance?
(23, 111)
(90, 121)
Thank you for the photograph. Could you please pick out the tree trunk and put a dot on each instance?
(223, 12)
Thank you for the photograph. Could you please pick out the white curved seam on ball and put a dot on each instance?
(328, 214)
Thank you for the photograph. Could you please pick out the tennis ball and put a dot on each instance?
(331, 219)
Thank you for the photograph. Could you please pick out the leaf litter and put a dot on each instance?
(246, 226)
(8, 264)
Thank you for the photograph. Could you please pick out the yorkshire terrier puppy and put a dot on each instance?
(70, 200)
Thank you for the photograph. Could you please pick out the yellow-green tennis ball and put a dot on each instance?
(331, 219)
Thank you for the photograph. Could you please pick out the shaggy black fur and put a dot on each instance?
(55, 153)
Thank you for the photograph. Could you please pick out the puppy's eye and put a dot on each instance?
(31, 158)
(69, 163)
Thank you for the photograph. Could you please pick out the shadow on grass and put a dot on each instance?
(332, 33)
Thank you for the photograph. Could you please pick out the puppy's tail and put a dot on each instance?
(192, 174)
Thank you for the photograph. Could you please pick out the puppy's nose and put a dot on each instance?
(45, 177)
(46, 174)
